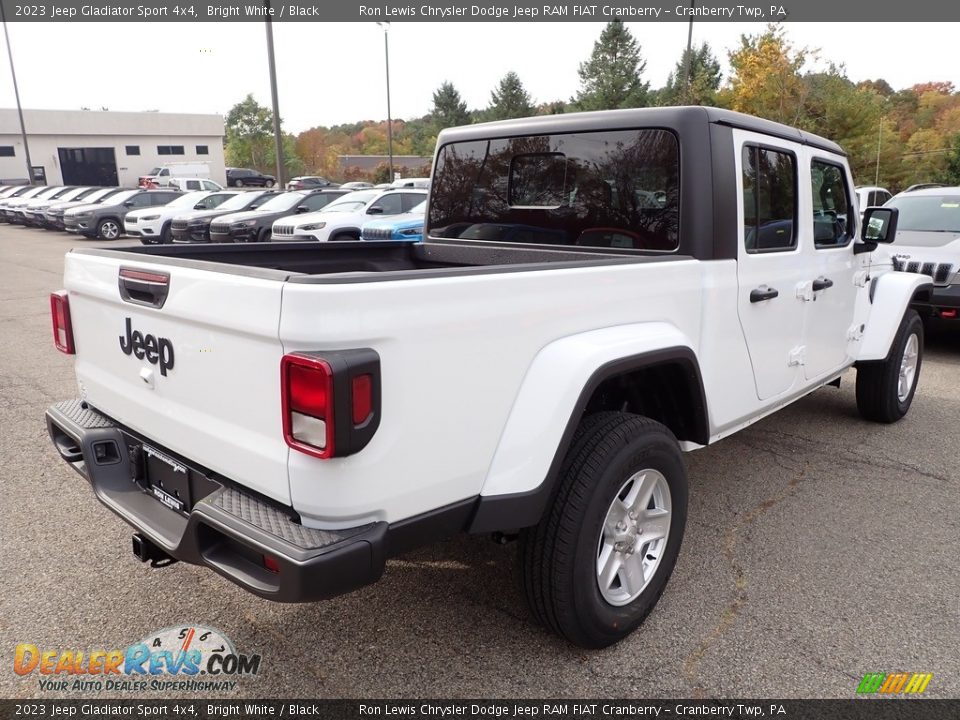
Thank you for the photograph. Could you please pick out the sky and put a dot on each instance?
(331, 73)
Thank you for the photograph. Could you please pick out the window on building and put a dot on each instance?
(7, 151)
(203, 150)
(769, 199)
(133, 149)
(169, 149)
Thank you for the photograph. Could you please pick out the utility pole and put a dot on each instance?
(16, 92)
(689, 63)
(277, 137)
(876, 177)
(386, 55)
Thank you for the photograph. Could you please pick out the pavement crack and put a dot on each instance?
(730, 541)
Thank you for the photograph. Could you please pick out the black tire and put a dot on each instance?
(264, 235)
(269, 183)
(238, 183)
(558, 557)
(165, 234)
(109, 229)
(345, 237)
(878, 383)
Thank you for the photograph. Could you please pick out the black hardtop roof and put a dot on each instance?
(666, 117)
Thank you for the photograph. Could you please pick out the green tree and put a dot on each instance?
(847, 114)
(611, 77)
(249, 129)
(509, 99)
(703, 70)
(951, 171)
(449, 109)
(766, 79)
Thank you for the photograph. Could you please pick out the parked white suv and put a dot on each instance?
(928, 242)
(871, 196)
(343, 219)
(152, 225)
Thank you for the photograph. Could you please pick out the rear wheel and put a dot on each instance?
(885, 389)
(269, 183)
(598, 561)
(108, 229)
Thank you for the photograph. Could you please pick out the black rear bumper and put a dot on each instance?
(228, 530)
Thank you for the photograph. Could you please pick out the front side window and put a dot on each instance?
(769, 199)
(315, 202)
(388, 205)
(142, 200)
(832, 221)
(598, 189)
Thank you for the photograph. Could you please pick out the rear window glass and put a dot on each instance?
(601, 189)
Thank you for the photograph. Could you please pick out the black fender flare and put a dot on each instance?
(518, 510)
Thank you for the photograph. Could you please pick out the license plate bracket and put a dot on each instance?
(167, 479)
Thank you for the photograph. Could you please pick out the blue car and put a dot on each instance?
(408, 226)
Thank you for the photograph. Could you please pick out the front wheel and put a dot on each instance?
(269, 183)
(597, 563)
(108, 230)
(885, 389)
(238, 183)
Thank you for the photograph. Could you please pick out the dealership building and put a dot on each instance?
(90, 147)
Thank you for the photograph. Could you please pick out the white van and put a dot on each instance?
(160, 176)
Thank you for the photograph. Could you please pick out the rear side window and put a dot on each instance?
(411, 200)
(769, 199)
(599, 189)
(833, 223)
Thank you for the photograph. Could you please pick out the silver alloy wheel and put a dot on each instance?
(908, 367)
(634, 537)
(109, 230)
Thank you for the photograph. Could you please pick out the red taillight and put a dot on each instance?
(362, 398)
(330, 401)
(949, 314)
(307, 398)
(62, 327)
(270, 564)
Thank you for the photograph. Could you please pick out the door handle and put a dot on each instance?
(763, 293)
(822, 283)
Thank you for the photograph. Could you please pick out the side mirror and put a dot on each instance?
(200, 206)
(302, 209)
(879, 225)
(128, 203)
(375, 210)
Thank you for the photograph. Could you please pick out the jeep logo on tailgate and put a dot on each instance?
(155, 350)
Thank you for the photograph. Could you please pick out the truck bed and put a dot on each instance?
(344, 262)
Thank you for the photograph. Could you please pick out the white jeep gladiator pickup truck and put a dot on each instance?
(647, 283)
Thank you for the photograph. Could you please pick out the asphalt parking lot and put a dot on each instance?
(819, 548)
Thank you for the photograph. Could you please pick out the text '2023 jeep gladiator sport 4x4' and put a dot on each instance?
(292, 415)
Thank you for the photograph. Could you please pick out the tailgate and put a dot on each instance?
(206, 382)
